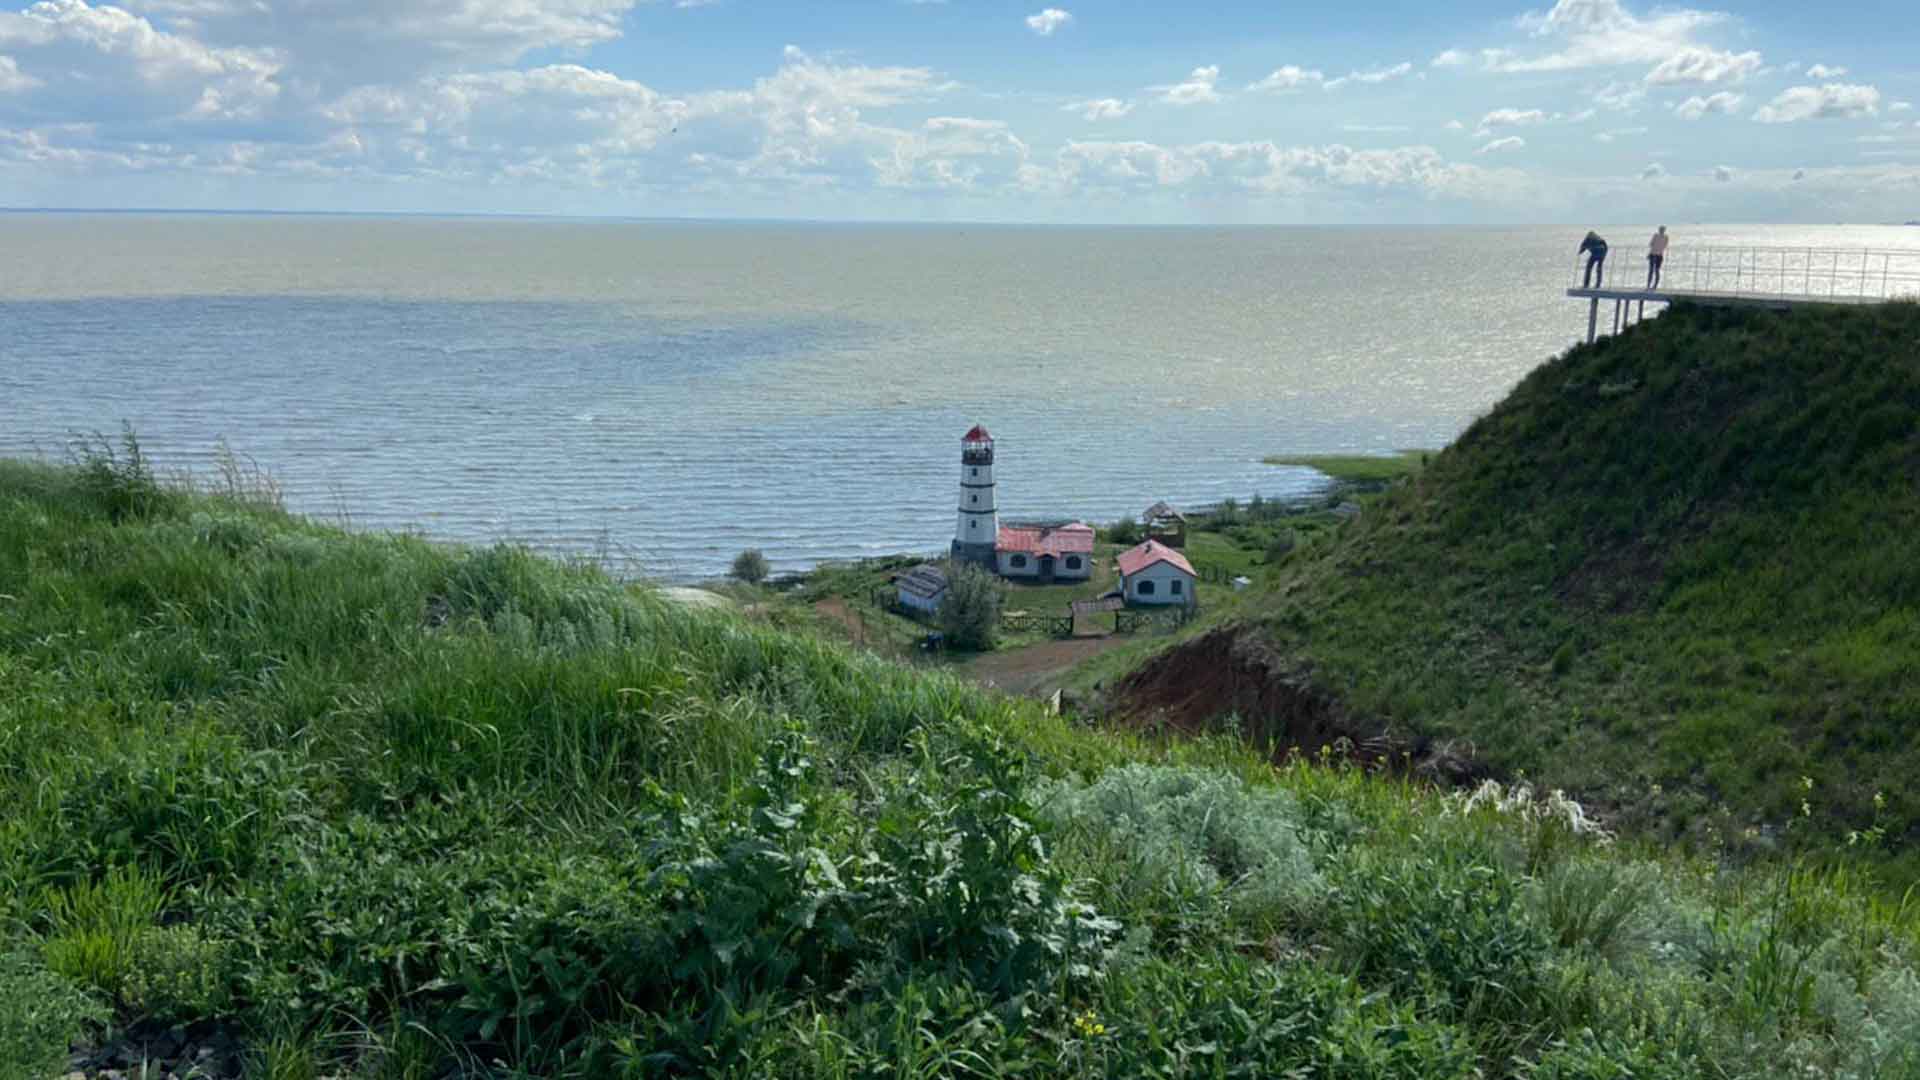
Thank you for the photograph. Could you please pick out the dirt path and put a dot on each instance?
(1035, 669)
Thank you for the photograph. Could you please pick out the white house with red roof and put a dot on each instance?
(1050, 552)
(1046, 552)
(1154, 573)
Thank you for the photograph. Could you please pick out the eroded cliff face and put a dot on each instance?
(1234, 677)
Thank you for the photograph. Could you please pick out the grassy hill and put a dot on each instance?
(303, 803)
(1676, 571)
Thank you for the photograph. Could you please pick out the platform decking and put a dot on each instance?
(1749, 276)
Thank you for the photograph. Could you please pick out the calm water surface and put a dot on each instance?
(674, 392)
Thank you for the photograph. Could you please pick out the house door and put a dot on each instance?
(1046, 568)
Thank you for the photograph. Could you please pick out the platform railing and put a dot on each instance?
(1812, 273)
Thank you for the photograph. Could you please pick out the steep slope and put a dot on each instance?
(1677, 570)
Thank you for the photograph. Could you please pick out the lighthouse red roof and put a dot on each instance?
(978, 434)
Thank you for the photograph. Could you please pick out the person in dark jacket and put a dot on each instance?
(1595, 249)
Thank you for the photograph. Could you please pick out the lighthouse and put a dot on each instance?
(978, 528)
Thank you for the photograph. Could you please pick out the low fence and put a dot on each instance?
(1838, 274)
(1024, 623)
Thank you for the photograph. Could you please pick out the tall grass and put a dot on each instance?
(394, 809)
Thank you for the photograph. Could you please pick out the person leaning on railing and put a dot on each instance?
(1595, 249)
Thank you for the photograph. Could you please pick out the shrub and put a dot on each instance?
(1190, 832)
(41, 1014)
(1124, 531)
(970, 614)
(1444, 920)
(1595, 904)
(176, 975)
(188, 806)
(751, 566)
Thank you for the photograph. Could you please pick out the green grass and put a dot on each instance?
(395, 809)
(1359, 468)
(1677, 571)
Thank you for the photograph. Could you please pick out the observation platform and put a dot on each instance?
(1769, 277)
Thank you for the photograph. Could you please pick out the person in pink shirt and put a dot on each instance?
(1656, 257)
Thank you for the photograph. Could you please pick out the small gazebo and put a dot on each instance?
(1165, 524)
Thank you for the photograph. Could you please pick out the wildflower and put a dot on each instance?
(1805, 810)
(1656, 789)
(1879, 800)
(1089, 1025)
(1806, 783)
(1853, 837)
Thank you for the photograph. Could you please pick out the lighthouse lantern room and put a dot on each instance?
(978, 527)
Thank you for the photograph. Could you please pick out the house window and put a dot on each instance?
(1176, 587)
(1073, 562)
(1145, 588)
(1019, 561)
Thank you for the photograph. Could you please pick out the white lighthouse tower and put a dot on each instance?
(978, 528)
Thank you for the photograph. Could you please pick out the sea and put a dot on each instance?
(661, 395)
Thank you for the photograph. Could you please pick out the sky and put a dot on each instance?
(1092, 111)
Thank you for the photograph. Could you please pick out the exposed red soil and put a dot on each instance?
(1234, 671)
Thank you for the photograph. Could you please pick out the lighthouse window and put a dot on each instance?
(1019, 561)
(973, 472)
(973, 498)
(1073, 562)
(971, 524)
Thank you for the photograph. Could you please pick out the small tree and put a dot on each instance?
(970, 611)
(751, 566)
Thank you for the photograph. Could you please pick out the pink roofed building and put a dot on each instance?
(1045, 552)
(1155, 574)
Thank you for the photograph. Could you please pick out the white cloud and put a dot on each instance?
(1101, 108)
(1799, 174)
(1832, 101)
(12, 79)
(1722, 174)
(1654, 171)
(1449, 58)
(1046, 22)
(1511, 142)
(1620, 96)
(1455, 125)
(1198, 89)
(1289, 77)
(1500, 118)
(118, 66)
(1268, 169)
(1704, 66)
(1822, 71)
(1618, 133)
(1696, 107)
(335, 44)
(1603, 33)
(1900, 106)
(1373, 77)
